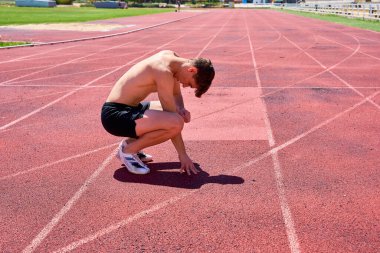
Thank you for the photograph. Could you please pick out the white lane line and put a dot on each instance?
(305, 52)
(125, 222)
(354, 89)
(60, 75)
(290, 57)
(258, 80)
(361, 52)
(44, 52)
(332, 73)
(213, 37)
(232, 171)
(68, 62)
(22, 99)
(23, 69)
(315, 75)
(3, 127)
(285, 208)
(57, 162)
(291, 141)
(47, 229)
(99, 37)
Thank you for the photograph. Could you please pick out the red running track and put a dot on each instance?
(287, 140)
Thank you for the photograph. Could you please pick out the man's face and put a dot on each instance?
(190, 82)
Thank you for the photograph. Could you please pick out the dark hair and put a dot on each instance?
(204, 75)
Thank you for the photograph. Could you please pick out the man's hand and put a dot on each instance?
(185, 114)
(187, 165)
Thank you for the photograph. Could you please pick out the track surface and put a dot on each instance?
(287, 140)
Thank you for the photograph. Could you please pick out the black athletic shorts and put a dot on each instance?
(119, 119)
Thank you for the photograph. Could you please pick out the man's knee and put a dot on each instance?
(176, 123)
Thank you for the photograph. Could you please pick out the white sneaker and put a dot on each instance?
(131, 161)
(120, 148)
(134, 164)
(144, 157)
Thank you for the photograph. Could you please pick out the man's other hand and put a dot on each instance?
(185, 114)
(187, 166)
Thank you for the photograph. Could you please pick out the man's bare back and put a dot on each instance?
(141, 80)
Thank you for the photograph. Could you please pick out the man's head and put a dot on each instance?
(204, 75)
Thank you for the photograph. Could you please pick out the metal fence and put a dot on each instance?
(370, 11)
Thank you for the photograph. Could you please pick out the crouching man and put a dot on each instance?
(149, 123)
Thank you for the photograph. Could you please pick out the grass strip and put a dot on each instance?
(31, 15)
(11, 43)
(372, 25)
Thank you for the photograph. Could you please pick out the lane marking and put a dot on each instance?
(355, 51)
(232, 171)
(305, 52)
(285, 208)
(57, 162)
(101, 36)
(360, 52)
(315, 75)
(331, 68)
(47, 229)
(67, 62)
(125, 222)
(31, 97)
(354, 89)
(28, 56)
(23, 69)
(213, 37)
(61, 75)
(291, 141)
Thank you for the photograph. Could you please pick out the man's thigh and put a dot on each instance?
(154, 120)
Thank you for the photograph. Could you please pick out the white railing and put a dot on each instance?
(341, 8)
(361, 10)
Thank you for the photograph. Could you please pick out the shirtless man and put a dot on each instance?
(150, 123)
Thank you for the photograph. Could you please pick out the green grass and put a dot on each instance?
(30, 15)
(354, 22)
(7, 43)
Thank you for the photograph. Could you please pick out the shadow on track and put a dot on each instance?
(167, 174)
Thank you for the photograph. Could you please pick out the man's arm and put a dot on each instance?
(165, 90)
(180, 104)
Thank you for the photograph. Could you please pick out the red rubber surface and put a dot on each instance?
(301, 175)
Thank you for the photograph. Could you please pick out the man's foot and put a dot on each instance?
(120, 148)
(144, 157)
(132, 161)
(134, 164)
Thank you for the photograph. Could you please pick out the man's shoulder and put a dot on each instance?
(166, 51)
(162, 72)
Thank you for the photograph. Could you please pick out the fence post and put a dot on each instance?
(363, 11)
